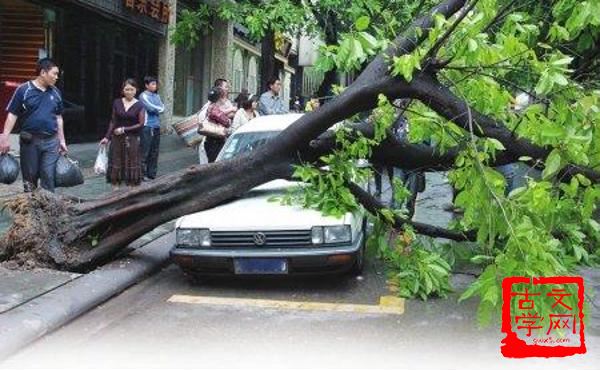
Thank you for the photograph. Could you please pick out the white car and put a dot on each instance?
(254, 236)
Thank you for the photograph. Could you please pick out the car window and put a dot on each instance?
(244, 143)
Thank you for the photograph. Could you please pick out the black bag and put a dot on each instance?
(9, 169)
(67, 173)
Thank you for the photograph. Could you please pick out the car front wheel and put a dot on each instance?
(359, 263)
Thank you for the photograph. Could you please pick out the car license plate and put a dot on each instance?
(260, 266)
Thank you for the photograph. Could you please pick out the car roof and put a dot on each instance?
(273, 122)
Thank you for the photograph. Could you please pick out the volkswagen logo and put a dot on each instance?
(260, 239)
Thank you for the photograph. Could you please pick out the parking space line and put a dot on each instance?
(387, 304)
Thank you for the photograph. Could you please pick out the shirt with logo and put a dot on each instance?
(37, 110)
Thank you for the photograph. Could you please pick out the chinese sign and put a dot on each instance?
(157, 9)
(559, 333)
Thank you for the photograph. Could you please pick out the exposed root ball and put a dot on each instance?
(39, 219)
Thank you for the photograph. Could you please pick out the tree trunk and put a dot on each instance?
(329, 26)
(267, 61)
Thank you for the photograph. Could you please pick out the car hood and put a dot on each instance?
(254, 211)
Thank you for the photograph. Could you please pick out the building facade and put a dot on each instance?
(97, 43)
(100, 43)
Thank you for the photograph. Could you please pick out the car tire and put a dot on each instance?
(359, 264)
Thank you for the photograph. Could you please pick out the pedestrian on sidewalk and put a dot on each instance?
(37, 105)
(246, 113)
(270, 101)
(151, 131)
(124, 158)
(243, 96)
(226, 106)
(216, 114)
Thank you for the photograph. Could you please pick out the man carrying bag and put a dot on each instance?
(38, 107)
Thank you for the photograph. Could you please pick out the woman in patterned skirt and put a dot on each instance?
(124, 158)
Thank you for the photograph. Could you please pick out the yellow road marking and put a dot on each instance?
(387, 304)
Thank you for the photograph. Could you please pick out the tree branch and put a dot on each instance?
(375, 207)
(431, 53)
(442, 100)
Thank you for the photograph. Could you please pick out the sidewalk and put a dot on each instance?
(24, 288)
(174, 155)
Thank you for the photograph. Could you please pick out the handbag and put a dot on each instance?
(187, 129)
(211, 129)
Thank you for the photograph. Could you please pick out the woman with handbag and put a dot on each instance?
(124, 158)
(215, 138)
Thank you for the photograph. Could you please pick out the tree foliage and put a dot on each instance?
(485, 55)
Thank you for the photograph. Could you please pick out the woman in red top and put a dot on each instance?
(216, 114)
(124, 159)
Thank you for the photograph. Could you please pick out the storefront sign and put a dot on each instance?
(157, 9)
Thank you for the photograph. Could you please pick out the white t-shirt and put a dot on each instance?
(241, 118)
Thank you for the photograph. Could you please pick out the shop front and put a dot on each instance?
(97, 44)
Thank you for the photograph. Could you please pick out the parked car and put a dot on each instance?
(254, 236)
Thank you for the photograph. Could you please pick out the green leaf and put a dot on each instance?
(367, 41)
(559, 79)
(563, 61)
(583, 180)
(480, 259)
(496, 144)
(362, 23)
(472, 44)
(553, 164)
(388, 215)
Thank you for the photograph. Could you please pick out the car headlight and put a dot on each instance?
(331, 234)
(193, 237)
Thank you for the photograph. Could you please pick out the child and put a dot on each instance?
(151, 131)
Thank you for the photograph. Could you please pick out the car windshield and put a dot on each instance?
(245, 142)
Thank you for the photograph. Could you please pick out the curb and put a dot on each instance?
(25, 324)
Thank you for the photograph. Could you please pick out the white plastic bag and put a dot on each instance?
(101, 161)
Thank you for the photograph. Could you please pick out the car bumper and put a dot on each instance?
(301, 260)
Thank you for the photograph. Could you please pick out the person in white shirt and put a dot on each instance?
(246, 113)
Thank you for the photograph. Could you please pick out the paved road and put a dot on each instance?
(144, 328)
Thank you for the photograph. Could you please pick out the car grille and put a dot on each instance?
(279, 238)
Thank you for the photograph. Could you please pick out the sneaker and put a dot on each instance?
(146, 179)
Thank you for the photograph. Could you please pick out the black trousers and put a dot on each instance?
(150, 147)
(213, 147)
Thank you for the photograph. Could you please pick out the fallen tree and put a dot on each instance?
(433, 63)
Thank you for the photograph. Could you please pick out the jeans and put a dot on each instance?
(38, 162)
(150, 147)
